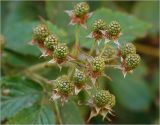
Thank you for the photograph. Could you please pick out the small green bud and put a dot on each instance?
(79, 77)
(132, 61)
(114, 29)
(98, 64)
(64, 85)
(102, 98)
(99, 25)
(40, 32)
(51, 42)
(81, 9)
(109, 52)
(61, 51)
(128, 48)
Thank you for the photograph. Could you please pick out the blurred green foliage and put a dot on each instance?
(23, 100)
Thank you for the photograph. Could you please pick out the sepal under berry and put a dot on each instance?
(63, 89)
(102, 103)
(128, 48)
(40, 32)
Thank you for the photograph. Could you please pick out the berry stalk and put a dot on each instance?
(77, 40)
(93, 47)
(104, 48)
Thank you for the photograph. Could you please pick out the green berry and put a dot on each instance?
(112, 101)
(128, 48)
(114, 29)
(109, 52)
(99, 25)
(102, 98)
(132, 61)
(40, 32)
(98, 64)
(51, 42)
(61, 51)
(81, 9)
(79, 77)
(64, 85)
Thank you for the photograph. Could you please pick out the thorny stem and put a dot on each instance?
(93, 47)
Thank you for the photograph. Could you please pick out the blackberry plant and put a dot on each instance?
(76, 66)
(92, 67)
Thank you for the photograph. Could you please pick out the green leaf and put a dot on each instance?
(70, 114)
(132, 27)
(147, 11)
(36, 114)
(18, 39)
(18, 93)
(20, 11)
(60, 33)
(132, 92)
(18, 60)
(55, 11)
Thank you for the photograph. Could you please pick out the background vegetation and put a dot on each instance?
(22, 97)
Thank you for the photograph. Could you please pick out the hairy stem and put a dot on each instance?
(77, 36)
(58, 113)
(36, 77)
(76, 41)
(39, 66)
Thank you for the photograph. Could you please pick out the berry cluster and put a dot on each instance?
(86, 71)
(131, 59)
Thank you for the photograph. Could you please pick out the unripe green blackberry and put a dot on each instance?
(114, 29)
(99, 25)
(79, 78)
(128, 48)
(51, 42)
(109, 52)
(40, 32)
(61, 51)
(132, 60)
(98, 64)
(112, 101)
(64, 85)
(81, 9)
(102, 98)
